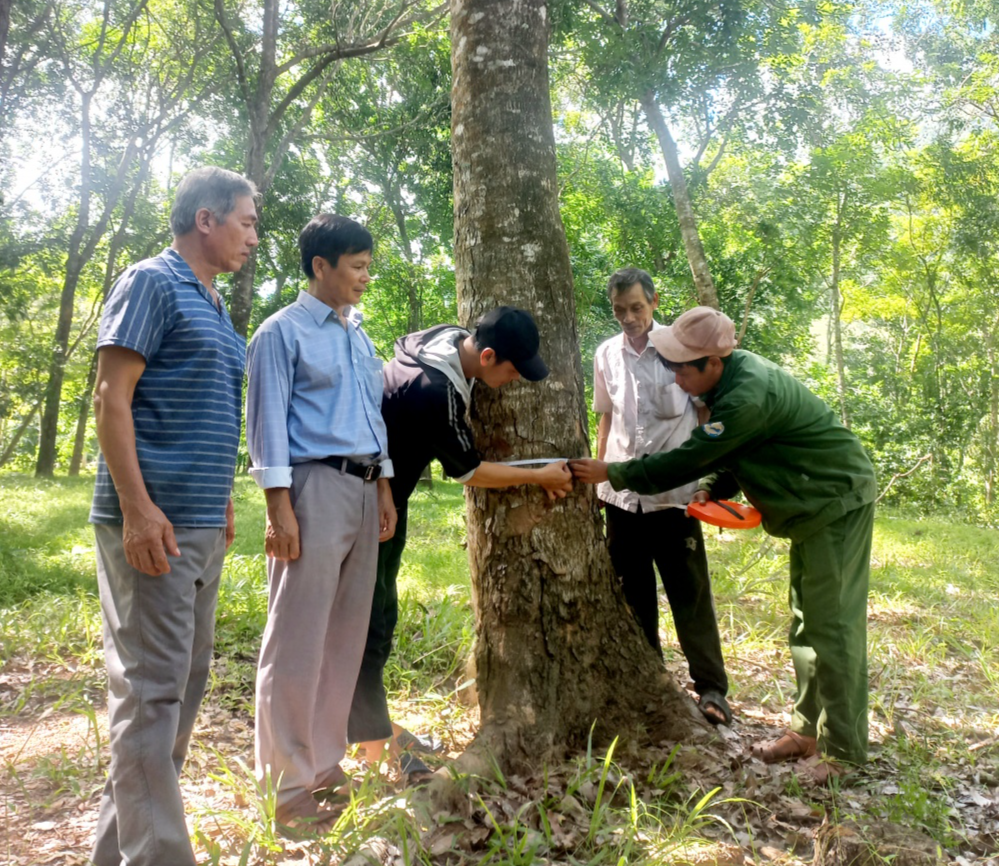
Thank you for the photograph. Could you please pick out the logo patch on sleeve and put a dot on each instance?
(714, 429)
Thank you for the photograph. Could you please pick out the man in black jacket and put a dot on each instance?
(428, 388)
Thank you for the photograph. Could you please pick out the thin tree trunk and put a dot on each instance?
(45, 464)
(255, 167)
(699, 269)
(760, 274)
(990, 437)
(557, 648)
(835, 303)
(15, 440)
(80, 440)
(4, 26)
(412, 291)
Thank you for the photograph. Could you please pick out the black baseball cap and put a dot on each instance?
(511, 333)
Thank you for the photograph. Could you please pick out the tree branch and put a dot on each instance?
(898, 475)
(603, 13)
(760, 274)
(296, 128)
(277, 115)
(126, 29)
(244, 84)
(382, 40)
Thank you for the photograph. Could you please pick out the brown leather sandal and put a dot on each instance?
(822, 770)
(789, 746)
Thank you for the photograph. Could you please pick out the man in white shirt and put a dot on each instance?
(643, 411)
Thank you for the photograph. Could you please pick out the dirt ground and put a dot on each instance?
(52, 774)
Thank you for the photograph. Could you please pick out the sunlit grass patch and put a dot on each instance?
(61, 628)
(435, 560)
(46, 545)
(934, 665)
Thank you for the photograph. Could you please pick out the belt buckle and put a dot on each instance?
(371, 472)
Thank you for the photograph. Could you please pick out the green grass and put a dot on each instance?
(45, 543)
(934, 663)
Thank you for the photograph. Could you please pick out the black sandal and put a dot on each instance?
(425, 744)
(414, 771)
(715, 700)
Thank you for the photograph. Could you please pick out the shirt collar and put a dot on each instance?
(321, 311)
(178, 264)
(626, 343)
(182, 271)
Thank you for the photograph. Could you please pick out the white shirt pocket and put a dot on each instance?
(668, 400)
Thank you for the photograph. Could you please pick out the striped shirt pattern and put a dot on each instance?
(314, 390)
(186, 406)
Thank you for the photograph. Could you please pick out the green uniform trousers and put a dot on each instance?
(830, 572)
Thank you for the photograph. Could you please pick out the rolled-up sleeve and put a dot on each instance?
(270, 375)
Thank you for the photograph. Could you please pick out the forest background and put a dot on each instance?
(838, 159)
(825, 172)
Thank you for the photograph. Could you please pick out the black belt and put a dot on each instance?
(367, 471)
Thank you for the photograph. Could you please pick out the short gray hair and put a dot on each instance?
(624, 279)
(211, 187)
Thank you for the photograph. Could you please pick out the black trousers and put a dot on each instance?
(673, 541)
(369, 714)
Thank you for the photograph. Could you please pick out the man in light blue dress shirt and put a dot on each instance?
(319, 449)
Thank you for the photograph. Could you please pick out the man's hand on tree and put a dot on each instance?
(589, 471)
(148, 537)
(281, 540)
(556, 479)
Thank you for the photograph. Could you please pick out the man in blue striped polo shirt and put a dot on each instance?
(167, 408)
(319, 449)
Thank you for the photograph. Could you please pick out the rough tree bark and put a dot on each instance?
(557, 650)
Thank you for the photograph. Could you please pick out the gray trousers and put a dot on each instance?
(317, 620)
(158, 634)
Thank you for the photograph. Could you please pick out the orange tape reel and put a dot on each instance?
(724, 513)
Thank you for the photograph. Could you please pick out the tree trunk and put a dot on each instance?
(15, 440)
(4, 26)
(834, 321)
(241, 303)
(45, 464)
(705, 286)
(990, 434)
(80, 440)
(557, 649)
(394, 199)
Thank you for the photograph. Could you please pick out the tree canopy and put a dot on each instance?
(823, 172)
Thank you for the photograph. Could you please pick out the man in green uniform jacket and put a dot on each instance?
(813, 483)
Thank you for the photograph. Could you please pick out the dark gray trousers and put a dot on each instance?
(158, 635)
(369, 712)
(673, 541)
